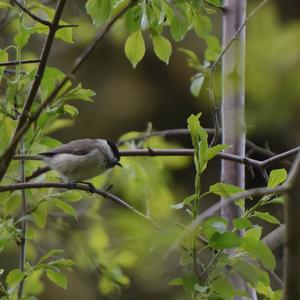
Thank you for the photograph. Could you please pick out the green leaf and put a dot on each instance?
(70, 110)
(51, 77)
(214, 48)
(192, 58)
(213, 225)
(40, 215)
(176, 281)
(4, 5)
(277, 177)
(254, 232)
(266, 217)
(179, 26)
(224, 190)
(241, 223)
(99, 10)
(49, 254)
(14, 277)
(79, 93)
(213, 151)
(223, 287)
(196, 85)
(135, 48)
(190, 198)
(188, 281)
(22, 38)
(216, 3)
(179, 205)
(3, 58)
(58, 278)
(251, 273)
(162, 48)
(224, 240)
(68, 209)
(72, 196)
(202, 25)
(260, 251)
(12, 203)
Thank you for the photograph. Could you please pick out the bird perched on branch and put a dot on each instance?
(83, 159)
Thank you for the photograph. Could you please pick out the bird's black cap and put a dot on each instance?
(114, 149)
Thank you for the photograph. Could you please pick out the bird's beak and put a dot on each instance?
(118, 164)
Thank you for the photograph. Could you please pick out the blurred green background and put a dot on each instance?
(126, 99)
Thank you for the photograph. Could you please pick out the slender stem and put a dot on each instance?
(22, 257)
(19, 62)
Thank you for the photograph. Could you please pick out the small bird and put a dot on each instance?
(83, 159)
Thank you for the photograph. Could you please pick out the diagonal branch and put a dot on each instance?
(31, 15)
(77, 186)
(19, 62)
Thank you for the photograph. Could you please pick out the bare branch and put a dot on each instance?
(19, 62)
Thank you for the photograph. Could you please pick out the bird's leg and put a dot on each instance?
(108, 188)
(92, 188)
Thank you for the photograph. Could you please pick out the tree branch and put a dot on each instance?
(19, 62)
(31, 15)
(81, 187)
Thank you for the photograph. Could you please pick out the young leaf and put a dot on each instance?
(4, 5)
(241, 223)
(135, 48)
(68, 209)
(260, 251)
(14, 277)
(99, 10)
(179, 26)
(225, 240)
(79, 93)
(57, 278)
(216, 3)
(213, 151)
(266, 217)
(251, 273)
(162, 48)
(223, 287)
(213, 225)
(3, 58)
(224, 190)
(49, 254)
(70, 110)
(202, 25)
(40, 215)
(196, 85)
(277, 177)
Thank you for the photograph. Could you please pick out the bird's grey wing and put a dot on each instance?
(77, 147)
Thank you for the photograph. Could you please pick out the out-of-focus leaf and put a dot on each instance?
(162, 48)
(135, 48)
(40, 215)
(99, 10)
(266, 217)
(58, 278)
(196, 85)
(226, 240)
(14, 277)
(224, 288)
(277, 177)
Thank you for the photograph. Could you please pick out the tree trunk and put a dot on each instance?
(233, 110)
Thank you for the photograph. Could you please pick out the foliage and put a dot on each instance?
(206, 264)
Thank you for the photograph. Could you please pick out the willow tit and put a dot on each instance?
(83, 159)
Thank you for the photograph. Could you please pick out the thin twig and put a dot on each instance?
(19, 62)
(22, 257)
(31, 15)
(250, 15)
